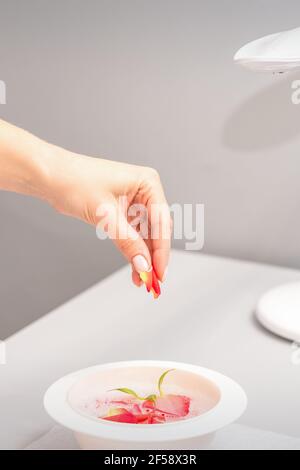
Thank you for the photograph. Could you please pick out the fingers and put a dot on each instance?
(126, 239)
(133, 247)
(136, 279)
(161, 229)
(143, 252)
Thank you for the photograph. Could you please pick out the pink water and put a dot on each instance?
(169, 409)
(185, 395)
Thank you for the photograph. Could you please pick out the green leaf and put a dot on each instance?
(134, 394)
(129, 392)
(161, 379)
(151, 397)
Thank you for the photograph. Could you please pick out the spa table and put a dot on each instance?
(204, 316)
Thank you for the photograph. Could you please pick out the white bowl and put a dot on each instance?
(223, 401)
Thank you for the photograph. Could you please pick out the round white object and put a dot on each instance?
(278, 52)
(279, 311)
(61, 402)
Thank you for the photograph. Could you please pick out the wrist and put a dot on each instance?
(47, 171)
(23, 159)
(51, 169)
(37, 170)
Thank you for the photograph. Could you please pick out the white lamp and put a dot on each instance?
(278, 52)
(279, 309)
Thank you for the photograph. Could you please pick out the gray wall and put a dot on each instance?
(150, 82)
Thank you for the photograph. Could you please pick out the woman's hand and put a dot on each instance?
(90, 189)
(100, 192)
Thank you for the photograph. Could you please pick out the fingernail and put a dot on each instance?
(140, 264)
(164, 275)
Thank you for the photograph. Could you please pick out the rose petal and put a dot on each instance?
(148, 404)
(142, 418)
(125, 417)
(136, 409)
(178, 405)
(158, 420)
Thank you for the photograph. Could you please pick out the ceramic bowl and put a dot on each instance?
(222, 402)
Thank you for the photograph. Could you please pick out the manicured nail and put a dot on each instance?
(151, 282)
(140, 264)
(165, 275)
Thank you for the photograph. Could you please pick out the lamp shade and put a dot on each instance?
(278, 52)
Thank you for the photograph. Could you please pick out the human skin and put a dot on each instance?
(80, 186)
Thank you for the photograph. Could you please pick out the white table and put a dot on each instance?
(204, 316)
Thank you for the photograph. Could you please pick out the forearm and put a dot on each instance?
(24, 162)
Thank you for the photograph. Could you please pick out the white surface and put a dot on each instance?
(204, 316)
(277, 52)
(231, 405)
(279, 311)
(235, 436)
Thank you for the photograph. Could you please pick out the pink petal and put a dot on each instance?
(148, 404)
(178, 405)
(136, 409)
(142, 418)
(158, 420)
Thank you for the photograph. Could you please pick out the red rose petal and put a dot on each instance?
(148, 404)
(142, 418)
(124, 417)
